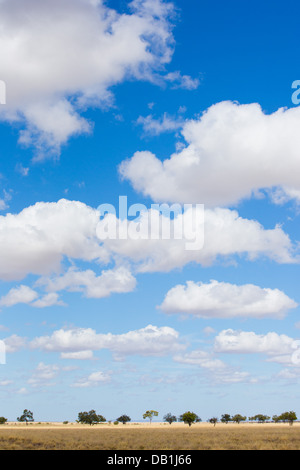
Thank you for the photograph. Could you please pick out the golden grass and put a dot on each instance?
(198, 437)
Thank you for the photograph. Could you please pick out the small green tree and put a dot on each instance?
(150, 415)
(2, 420)
(123, 419)
(169, 418)
(90, 417)
(226, 418)
(276, 419)
(213, 421)
(238, 418)
(189, 418)
(261, 418)
(26, 417)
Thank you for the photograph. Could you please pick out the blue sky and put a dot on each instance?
(163, 102)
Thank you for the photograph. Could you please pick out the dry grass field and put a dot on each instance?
(155, 437)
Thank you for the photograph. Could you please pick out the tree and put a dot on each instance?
(213, 421)
(226, 418)
(261, 418)
(189, 418)
(90, 417)
(2, 420)
(169, 418)
(238, 418)
(123, 419)
(288, 416)
(150, 414)
(26, 417)
(276, 419)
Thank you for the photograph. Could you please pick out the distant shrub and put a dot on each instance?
(189, 418)
(90, 418)
(213, 421)
(123, 419)
(169, 418)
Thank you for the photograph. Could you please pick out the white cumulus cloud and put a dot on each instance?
(60, 56)
(226, 235)
(39, 238)
(248, 342)
(149, 341)
(225, 300)
(17, 295)
(231, 152)
(119, 280)
(93, 380)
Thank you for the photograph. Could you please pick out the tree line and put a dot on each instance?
(189, 417)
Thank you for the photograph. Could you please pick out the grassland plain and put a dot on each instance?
(158, 436)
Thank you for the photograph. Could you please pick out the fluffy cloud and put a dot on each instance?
(231, 376)
(182, 81)
(247, 342)
(26, 295)
(149, 341)
(225, 234)
(4, 200)
(154, 126)
(48, 300)
(21, 294)
(119, 280)
(14, 343)
(93, 380)
(43, 375)
(216, 371)
(232, 151)
(79, 355)
(279, 349)
(224, 300)
(200, 358)
(60, 56)
(39, 238)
